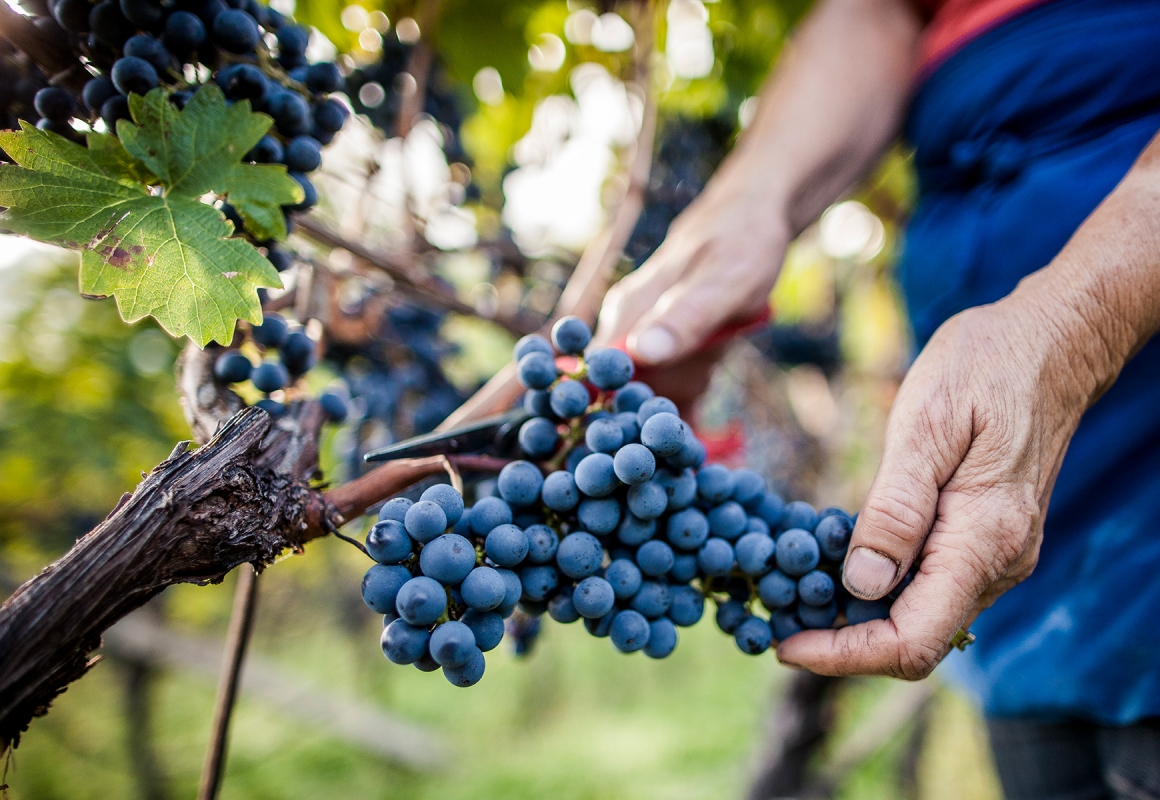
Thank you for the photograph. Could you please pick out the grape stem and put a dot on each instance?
(326, 523)
(453, 475)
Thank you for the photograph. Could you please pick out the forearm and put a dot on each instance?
(1101, 294)
(833, 104)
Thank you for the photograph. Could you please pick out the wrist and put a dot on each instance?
(1082, 343)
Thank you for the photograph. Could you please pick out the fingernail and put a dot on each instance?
(655, 344)
(868, 573)
(791, 664)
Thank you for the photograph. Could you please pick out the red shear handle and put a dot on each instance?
(732, 330)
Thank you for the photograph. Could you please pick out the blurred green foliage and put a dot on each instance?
(86, 403)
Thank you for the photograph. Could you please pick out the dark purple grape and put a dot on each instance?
(303, 154)
(279, 258)
(269, 377)
(54, 103)
(254, 9)
(96, 92)
(292, 63)
(324, 77)
(232, 367)
(274, 20)
(272, 331)
(242, 82)
(115, 108)
(236, 31)
(297, 353)
(268, 150)
(73, 15)
(329, 115)
(208, 10)
(291, 113)
(271, 407)
(133, 75)
(184, 33)
(144, 14)
(152, 50)
(310, 194)
(333, 406)
(109, 25)
(292, 40)
(181, 97)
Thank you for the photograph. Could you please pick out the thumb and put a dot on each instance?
(924, 446)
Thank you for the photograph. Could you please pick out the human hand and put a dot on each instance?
(717, 265)
(973, 446)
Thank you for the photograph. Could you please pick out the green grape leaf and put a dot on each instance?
(134, 208)
(199, 150)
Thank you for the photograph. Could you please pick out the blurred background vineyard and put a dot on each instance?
(529, 122)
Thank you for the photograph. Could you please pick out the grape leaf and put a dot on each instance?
(199, 150)
(135, 212)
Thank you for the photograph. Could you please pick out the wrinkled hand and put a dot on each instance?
(973, 446)
(717, 265)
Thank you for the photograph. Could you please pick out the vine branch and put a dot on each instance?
(244, 497)
(406, 277)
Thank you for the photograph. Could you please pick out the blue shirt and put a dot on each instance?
(1018, 137)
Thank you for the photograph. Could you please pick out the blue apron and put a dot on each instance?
(1018, 137)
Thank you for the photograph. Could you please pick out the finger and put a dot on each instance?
(926, 440)
(923, 621)
(716, 289)
(634, 294)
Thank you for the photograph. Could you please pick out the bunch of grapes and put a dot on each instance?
(613, 520)
(398, 378)
(286, 355)
(252, 52)
(376, 90)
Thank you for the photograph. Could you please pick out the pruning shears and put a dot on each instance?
(498, 432)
